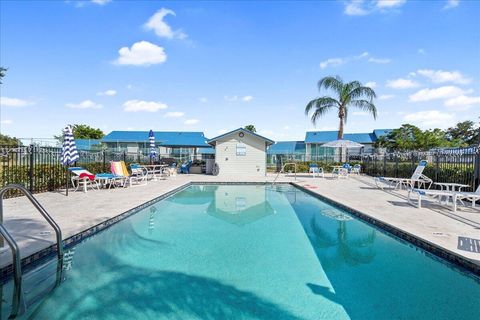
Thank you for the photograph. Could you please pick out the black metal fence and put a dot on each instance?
(459, 165)
(39, 168)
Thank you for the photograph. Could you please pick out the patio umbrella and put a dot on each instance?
(69, 149)
(342, 144)
(153, 150)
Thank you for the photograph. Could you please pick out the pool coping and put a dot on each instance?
(40, 256)
(437, 251)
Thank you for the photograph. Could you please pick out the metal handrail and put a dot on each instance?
(17, 271)
(40, 209)
(283, 170)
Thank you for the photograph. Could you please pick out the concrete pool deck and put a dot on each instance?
(79, 211)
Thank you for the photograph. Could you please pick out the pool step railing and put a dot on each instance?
(16, 258)
(283, 171)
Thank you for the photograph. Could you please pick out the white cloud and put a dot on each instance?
(332, 62)
(86, 104)
(141, 105)
(191, 121)
(14, 102)
(462, 102)
(174, 114)
(371, 84)
(335, 62)
(386, 4)
(286, 128)
(386, 97)
(451, 4)
(142, 53)
(355, 8)
(422, 51)
(101, 2)
(203, 99)
(402, 84)
(440, 76)
(379, 60)
(247, 98)
(6, 121)
(110, 92)
(161, 28)
(437, 93)
(430, 118)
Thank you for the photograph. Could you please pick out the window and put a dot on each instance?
(241, 149)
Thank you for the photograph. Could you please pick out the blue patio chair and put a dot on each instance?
(185, 167)
(347, 166)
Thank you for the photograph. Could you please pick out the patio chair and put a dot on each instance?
(84, 178)
(315, 170)
(356, 169)
(139, 171)
(347, 166)
(437, 195)
(185, 167)
(417, 178)
(470, 196)
(120, 169)
(340, 173)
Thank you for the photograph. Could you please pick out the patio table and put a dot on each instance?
(155, 170)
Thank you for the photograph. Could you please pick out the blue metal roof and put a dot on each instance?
(287, 147)
(162, 138)
(244, 131)
(381, 132)
(206, 150)
(327, 136)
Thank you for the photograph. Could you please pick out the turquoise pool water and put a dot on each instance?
(248, 252)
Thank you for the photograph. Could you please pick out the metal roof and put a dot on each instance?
(162, 138)
(327, 136)
(287, 147)
(269, 142)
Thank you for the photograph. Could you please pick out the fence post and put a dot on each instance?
(476, 168)
(396, 165)
(30, 169)
(104, 160)
(385, 165)
(124, 156)
(437, 166)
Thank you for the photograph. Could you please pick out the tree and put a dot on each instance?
(464, 132)
(9, 141)
(251, 128)
(351, 94)
(2, 73)
(83, 131)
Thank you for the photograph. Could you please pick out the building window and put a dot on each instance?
(241, 149)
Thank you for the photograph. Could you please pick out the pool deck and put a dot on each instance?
(79, 211)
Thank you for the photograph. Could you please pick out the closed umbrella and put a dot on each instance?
(153, 150)
(69, 149)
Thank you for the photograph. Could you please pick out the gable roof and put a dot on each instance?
(327, 136)
(268, 141)
(162, 138)
(287, 147)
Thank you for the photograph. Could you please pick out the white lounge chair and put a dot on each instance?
(470, 196)
(417, 179)
(340, 173)
(315, 170)
(84, 178)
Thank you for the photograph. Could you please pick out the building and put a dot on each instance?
(241, 152)
(312, 150)
(174, 144)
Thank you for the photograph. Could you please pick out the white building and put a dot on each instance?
(241, 152)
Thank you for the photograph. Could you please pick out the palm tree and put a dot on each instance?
(351, 94)
(250, 127)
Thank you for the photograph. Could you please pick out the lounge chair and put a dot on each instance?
(356, 169)
(315, 170)
(340, 173)
(120, 169)
(417, 178)
(84, 178)
(139, 171)
(470, 196)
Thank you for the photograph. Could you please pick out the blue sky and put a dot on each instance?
(215, 66)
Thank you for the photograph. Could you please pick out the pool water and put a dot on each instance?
(248, 252)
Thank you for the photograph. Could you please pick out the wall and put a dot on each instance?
(252, 164)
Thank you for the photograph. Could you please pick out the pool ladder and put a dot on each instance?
(17, 265)
(283, 170)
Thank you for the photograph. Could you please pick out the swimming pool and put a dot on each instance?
(248, 252)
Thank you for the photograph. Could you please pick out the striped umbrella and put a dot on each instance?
(69, 150)
(153, 150)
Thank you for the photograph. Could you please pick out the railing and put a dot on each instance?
(283, 170)
(460, 165)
